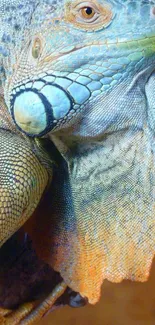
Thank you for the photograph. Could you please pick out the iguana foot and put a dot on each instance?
(4, 312)
(29, 313)
(15, 317)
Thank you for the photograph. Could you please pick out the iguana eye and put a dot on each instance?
(88, 15)
(87, 12)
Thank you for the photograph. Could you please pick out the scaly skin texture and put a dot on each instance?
(25, 172)
(23, 177)
(82, 74)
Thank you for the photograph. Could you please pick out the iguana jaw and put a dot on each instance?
(144, 44)
(38, 122)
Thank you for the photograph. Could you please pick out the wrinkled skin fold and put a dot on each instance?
(87, 84)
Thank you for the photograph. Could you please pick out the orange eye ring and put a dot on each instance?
(89, 15)
(87, 12)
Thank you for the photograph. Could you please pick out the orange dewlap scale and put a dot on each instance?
(109, 232)
(84, 264)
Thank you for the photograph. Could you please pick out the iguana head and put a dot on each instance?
(73, 54)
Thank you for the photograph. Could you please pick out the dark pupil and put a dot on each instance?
(88, 11)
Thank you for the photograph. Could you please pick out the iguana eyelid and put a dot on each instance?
(101, 19)
(87, 4)
(83, 5)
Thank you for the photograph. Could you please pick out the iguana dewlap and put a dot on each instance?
(82, 73)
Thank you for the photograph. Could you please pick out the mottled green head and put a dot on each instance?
(73, 55)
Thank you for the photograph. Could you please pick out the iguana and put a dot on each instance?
(81, 73)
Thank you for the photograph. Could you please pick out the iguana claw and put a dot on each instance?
(31, 312)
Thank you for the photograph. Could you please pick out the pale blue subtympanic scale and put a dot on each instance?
(29, 111)
(47, 104)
